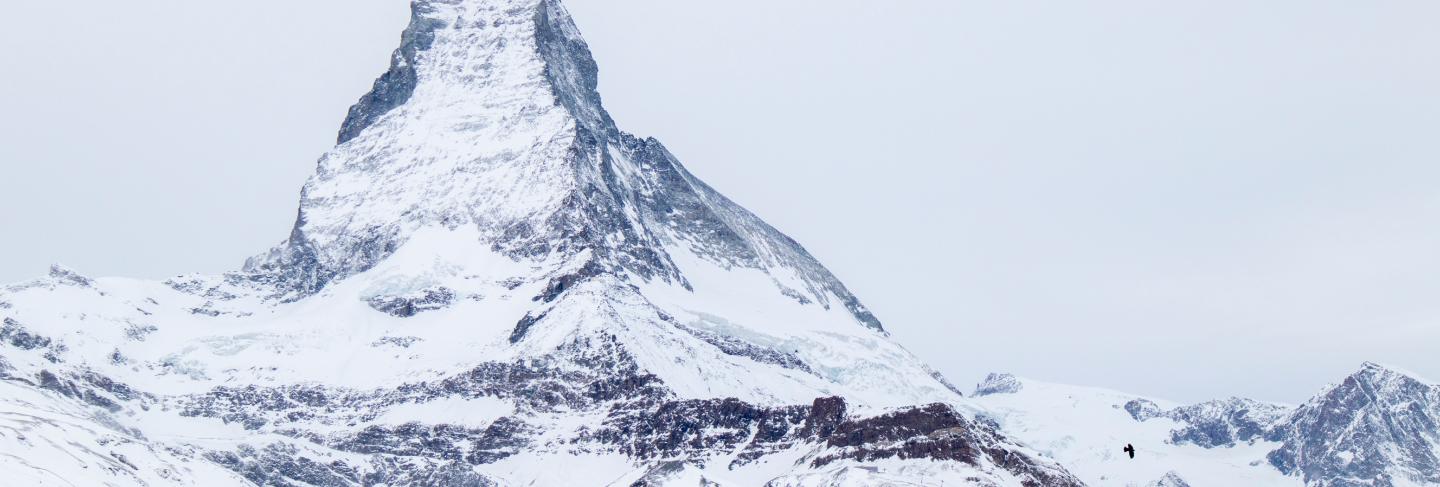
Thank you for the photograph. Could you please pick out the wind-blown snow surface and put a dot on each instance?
(486, 279)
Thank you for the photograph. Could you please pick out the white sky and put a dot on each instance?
(1182, 199)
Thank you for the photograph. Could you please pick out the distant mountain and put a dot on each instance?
(1215, 423)
(998, 384)
(1377, 428)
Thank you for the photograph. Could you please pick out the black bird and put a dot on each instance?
(1130, 449)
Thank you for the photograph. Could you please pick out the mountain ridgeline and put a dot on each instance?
(1375, 428)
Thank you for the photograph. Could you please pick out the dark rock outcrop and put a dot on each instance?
(1143, 409)
(937, 432)
(396, 86)
(1170, 479)
(1225, 423)
(16, 335)
(998, 384)
(1214, 424)
(408, 305)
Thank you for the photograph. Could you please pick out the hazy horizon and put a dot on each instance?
(1179, 201)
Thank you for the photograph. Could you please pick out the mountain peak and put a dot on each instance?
(1377, 423)
(1376, 375)
(488, 121)
(67, 275)
(996, 383)
(486, 273)
(438, 47)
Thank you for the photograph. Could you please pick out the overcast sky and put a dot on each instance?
(1187, 200)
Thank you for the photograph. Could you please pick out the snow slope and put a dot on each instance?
(1085, 429)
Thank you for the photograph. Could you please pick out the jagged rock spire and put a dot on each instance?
(569, 69)
(489, 118)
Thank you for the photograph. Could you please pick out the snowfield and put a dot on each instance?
(1086, 428)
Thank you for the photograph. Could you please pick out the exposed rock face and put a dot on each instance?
(694, 429)
(16, 335)
(405, 306)
(936, 432)
(1376, 428)
(998, 384)
(1225, 423)
(1215, 423)
(67, 276)
(1143, 409)
(1171, 479)
(281, 464)
(395, 87)
(642, 420)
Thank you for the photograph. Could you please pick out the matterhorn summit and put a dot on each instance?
(487, 283)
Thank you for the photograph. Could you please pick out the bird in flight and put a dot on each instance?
(1130, 449)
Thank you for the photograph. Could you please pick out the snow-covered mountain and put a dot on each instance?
(489, 283)
(1376, 428)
